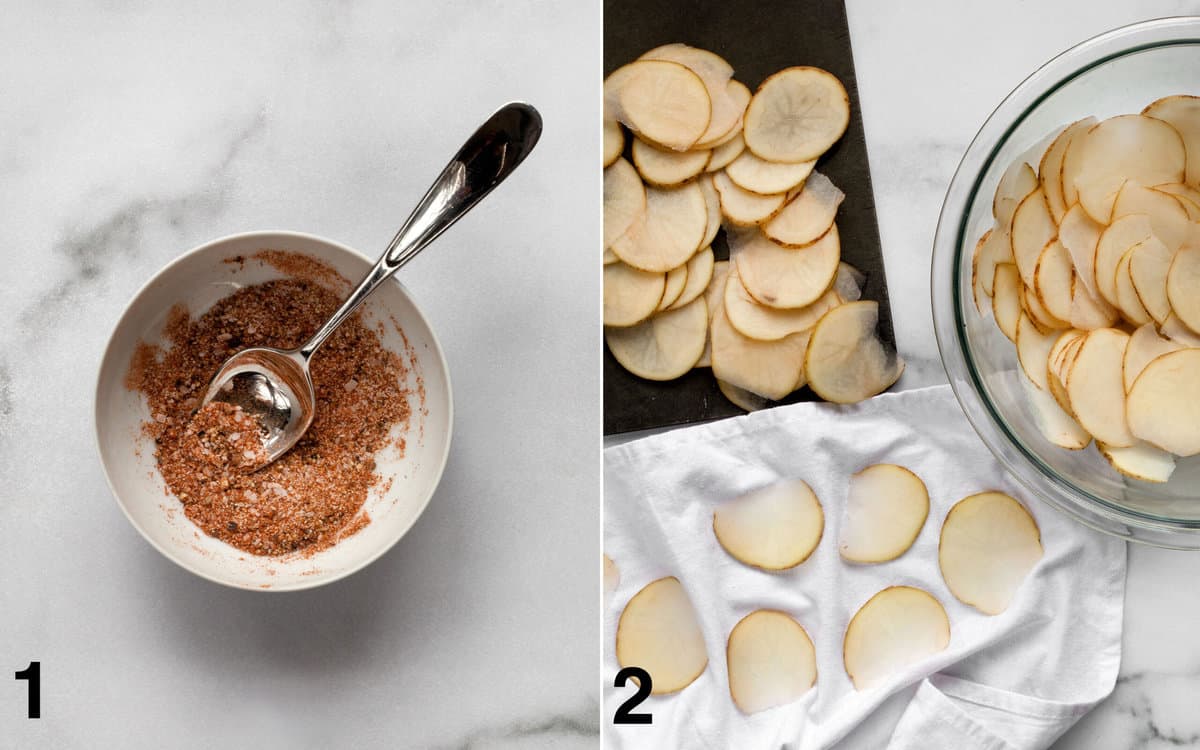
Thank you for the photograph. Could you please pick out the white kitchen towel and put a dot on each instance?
(1015, 680)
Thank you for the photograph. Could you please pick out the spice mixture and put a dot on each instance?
(313, 495)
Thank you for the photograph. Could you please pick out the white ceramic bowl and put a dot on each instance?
(198, 279)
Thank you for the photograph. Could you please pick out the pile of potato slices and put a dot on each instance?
(706, 155)
(1092, 269)
(988, 545)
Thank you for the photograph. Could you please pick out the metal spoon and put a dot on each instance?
(274, 385)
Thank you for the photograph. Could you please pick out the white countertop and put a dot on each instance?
(130, 132)
(929, 73)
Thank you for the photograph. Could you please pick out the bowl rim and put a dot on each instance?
(947, 297)
(307, 582)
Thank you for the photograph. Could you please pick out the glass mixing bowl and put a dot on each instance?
(1118, 72)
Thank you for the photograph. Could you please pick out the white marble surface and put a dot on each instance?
(131, 131)
(929, 73)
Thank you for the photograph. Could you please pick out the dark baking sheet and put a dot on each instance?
(758, 39)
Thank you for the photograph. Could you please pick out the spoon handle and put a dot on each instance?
(487, 158)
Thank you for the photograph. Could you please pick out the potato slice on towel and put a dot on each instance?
(808, 215)
(1145, 346)
(1096, 387)
(663, 347)
(896, 628)
(742, 207)
(846, 362)
(1126, 147)
(796, 115)
(1182, 112)
(1164, 403)
(699, 273)
(767, 177)
(989, 544)
(765, 323)
(614, 141)
(1183, 286)
(667, 168)
(886, 506)
(663, 102)
(774, 527)
(659, 632)
(670, 232)
(1141, 461)
(771, 661)
(785, 277)
(771, 369)
(630, 295)
(624, 200)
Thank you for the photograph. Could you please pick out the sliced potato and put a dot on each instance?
(667, 168)
(1050, 169)
(715, 72)
(612, 577)
(740, 397)
(1125, 232)
(712, 300)
(624, 200)
(1127, 297)
(1164, 403)
(849, 282)
(614, 141)
(771, 369)
(895, 629)
(1141, 461)
(743, 207)
(1186, 194)
(723, 155)
(1089, 312)
(1096, 387)
(796, 115)
(808, 215)
(1079, 235)
(1168, 219)
(630, 295)
(981, 294)
(785, 277)
(1006, 300)
(1038, 314)
(1182, 113)
(676, 280)
(771, 661)
(1072, 165)
(1053, 421)
(669, 233)
(1017, 182)
(659, 632)
(758, 321)
(1032, 228)
(1033, 350)
(1183, 285)
(1054, 280)
(886, 507)
(665, 103)
(989, 544)
(663, 347)
(699, 273)
(1174, 329)
(1145, 345)
(1126, 147)
(712, 205)
(1149, 264)
(749, 172)
(774, 527)
(846, 362)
